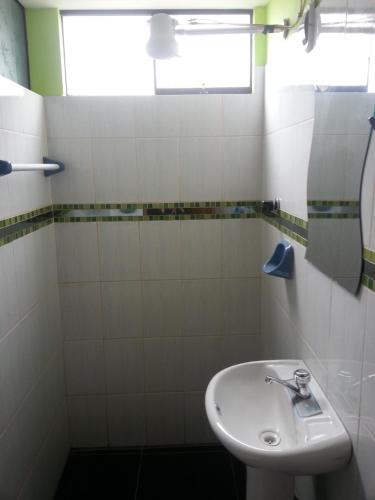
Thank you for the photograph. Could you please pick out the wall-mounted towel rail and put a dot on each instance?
(49, 167)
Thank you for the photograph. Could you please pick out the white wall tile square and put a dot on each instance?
(157, 116)
(112, 117)
(242, 167)
(126, 420)
(348, 317)
(164, 418)
(119, 251)
(46, 469)
(201, 165)
(84, 367)
(201, 115)
(124, 366)
(12, 461)
(241, 306)
(202, 307)
(197, 428)
(115, 170)
(68, 116)
(243, 114)
(122, 309)
(201, 249)
(5, 199)
(241, 248)
(158, 170)
(316, 328)
(368, 394)
(77, 252)
(87, 418)
(29, 271)
(161, 250)
(76, 184)
(9, 301)
(163, 362)
(202, 359)
(81, 311)
(240, 349)
(8, 387)
(162, 308)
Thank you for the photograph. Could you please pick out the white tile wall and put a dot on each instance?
(119, 251)
(201, 249)
(126, 420)
(124, 366)
(160, 250)
(158, 170)
(160, 335)
(120, 181)
(311, 317)
(164, 303)
(88, 424)
(201, 168)
(242, 157)
(84, 367)
(81, 311)
(152, 310)
(122, 309)
(33, 420)
(164, 418)
(77, 252)
(156, 149)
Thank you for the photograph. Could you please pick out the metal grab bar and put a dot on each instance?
(49, 167)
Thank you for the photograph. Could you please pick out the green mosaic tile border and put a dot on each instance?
(333, 216)
(333, 203)
(145, 218)
(368, 282)
(182, 204)
(24, 217)
(23, 232)
(286, 231)
(293, 219)
(369, 255)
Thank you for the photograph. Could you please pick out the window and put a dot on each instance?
(105, 54)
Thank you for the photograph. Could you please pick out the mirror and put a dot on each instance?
(345, 99)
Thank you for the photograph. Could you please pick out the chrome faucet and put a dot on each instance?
(301, 388)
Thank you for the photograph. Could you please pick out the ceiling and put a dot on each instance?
(144, 4)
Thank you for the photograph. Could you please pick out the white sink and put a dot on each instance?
(259, 424)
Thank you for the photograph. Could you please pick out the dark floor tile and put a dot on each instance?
(100, 476)
(239, 472)
(185, 475)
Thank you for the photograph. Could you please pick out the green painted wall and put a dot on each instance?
(273, 13)
(278, 10)
(260, 41)
(43, 35)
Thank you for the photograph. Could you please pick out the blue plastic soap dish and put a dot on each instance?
(281, 262)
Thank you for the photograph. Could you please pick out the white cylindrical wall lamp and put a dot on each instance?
(162, 43)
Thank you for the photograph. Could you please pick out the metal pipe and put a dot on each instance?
(28, 167)
(253, 28)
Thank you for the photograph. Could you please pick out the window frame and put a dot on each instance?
(150, 12)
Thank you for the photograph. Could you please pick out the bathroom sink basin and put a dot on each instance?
(260, 425)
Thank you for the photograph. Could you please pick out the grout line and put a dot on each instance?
(140, 461)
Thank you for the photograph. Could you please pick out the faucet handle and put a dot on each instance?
(302, 377)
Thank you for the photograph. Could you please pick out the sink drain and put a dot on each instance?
(270, 438)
